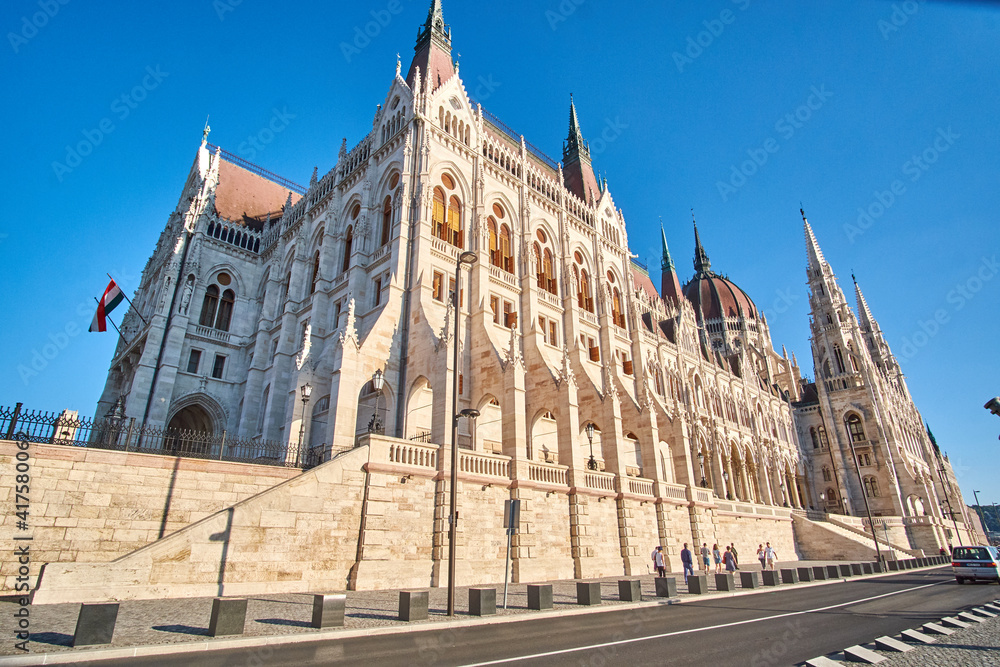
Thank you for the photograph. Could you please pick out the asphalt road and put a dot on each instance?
(781, 627)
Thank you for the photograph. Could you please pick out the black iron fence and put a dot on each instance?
(126, 435)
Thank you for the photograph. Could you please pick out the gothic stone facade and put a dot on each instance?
(258, 287)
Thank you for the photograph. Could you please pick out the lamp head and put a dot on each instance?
(378, 380)
(469, 413)
(590, 431)
(307, 391)
(467, 257)
(701, 457)
(993, 405)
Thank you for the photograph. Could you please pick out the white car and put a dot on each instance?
(975, 564)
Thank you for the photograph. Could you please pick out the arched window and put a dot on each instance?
(386, 221)
(871, 487)
(315, 273)
(855, 428)
(826, 474)
(815, 437)
(617, 316)
(506, 255)
(824, 442)
(548, 271)
(840, 358)
(539, 273)
(438, 215)
(225, 310)
(348, 243)
(454, 234)
(584, 297)
(494, 242)
(209, 306)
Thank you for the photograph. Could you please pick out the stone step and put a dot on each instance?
(917, 637)
(859, 653)
(823, 661)
(970, 618)
(891, 644)
(952, 622)
(935, 629)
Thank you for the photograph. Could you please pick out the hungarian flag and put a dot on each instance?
(112, 297)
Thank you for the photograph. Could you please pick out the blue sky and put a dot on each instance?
(879, 117)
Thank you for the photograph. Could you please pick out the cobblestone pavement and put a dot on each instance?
(976, 645)
(151, 622)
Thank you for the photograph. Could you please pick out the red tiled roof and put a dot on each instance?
(718, 297)
(243, 196)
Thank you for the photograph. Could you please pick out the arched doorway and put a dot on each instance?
(190, 431)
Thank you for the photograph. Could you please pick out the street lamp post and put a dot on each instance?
(592, 462)
(468, 258)
(979, 512)
(701, 466)
(725, 478)
(378, 381)
(306, 391)
(868, 509)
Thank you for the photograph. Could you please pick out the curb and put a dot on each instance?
(86, 655)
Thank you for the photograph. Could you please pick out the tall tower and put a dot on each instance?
(578, 173)
(868, 442)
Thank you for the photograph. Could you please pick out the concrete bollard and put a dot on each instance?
(629, 590)
(95, 624)
(666, 587)
(539, 596)
(805, 573)
(229, 616)
(482, 601)
(413, 605)
(856, 569)
(328, 610)
(588, 593)
(820, 573)
(749, 580)
(775, 578)
(698, 584)
(725, 582)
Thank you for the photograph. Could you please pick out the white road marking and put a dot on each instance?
(693, 630)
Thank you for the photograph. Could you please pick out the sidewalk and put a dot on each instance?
(185, 620)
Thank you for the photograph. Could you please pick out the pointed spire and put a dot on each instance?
(435, 16)
(816, 260)
(867, 320)
(666, 262)
(701, 262)
(670, 287)
(574, 123)
(933, 440)
(314, 179)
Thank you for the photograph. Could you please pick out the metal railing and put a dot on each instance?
(126, 435)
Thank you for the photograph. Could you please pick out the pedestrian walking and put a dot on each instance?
(661, 569)
(729, 560)
(717, 557)
(770, 555)
(706, 556)
(736, 556)
(687, 562)
(761, 556)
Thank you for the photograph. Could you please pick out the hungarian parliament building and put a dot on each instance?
(447, 274)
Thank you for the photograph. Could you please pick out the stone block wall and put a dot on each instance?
(544, 549)
(297, 537)
(748, 531)
(94, 505)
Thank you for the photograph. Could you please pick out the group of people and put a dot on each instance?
(728, 559)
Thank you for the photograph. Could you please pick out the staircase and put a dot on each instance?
(819, 539)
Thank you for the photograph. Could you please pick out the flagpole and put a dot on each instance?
(129, 301)
(108, 317)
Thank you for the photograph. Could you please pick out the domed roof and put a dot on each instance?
(715, 297)
(712, 295)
